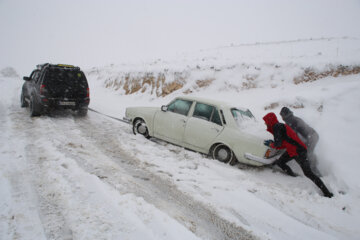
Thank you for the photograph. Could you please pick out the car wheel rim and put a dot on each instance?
(141, 128)
(223, 154)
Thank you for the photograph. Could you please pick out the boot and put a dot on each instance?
(328, 194)
(324, 189)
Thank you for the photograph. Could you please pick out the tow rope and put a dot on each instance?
(115, 118)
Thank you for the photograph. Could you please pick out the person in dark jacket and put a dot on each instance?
(306, 133)
(286, 138)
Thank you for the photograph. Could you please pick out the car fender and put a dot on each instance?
(241, 143)
(145, 113)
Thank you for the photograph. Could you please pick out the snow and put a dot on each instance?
(63, 177)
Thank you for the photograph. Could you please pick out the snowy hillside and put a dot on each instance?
(92, 178)
(236, 68)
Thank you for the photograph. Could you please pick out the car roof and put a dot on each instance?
(208, 101)
(221, 104)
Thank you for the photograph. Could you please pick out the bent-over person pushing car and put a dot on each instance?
(286, 138)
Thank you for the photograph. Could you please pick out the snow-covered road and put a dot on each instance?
(64, 177)
(70, 178)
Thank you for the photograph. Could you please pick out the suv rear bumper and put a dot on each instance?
(55, 103)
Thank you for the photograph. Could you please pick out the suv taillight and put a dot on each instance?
(268, 153)
(88, 92)
(42, 89)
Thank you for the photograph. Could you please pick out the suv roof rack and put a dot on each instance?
(66, 66)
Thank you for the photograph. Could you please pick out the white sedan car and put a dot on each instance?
(206, 126)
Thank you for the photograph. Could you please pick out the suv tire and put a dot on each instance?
(34, 108)
(23, 102)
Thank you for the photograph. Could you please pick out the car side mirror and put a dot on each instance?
(164, 108)
(26, 78)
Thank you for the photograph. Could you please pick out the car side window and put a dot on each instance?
(180, 106)
(37, 76)
(203, 111)
(207, 112)
(216, 117)
(32, 75)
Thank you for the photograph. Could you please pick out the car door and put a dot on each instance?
(202, 127)
(170, 125)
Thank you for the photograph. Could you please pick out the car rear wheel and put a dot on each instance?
(34, 108)
(223, 154)
(139, 127)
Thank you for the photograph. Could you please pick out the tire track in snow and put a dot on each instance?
(22, 204)
(197, 217)
(24, 129)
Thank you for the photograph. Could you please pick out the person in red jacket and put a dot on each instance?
(286, 138)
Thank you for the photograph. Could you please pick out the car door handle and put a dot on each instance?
(183, 120)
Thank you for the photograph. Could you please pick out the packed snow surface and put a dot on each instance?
(66, 177)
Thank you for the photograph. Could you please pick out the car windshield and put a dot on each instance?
(247, 123)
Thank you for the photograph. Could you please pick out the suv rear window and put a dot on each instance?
(65, 83)
(61, 77)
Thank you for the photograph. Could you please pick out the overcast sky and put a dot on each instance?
(95, 33)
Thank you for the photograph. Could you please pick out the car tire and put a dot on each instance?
(223, 154)
(23, 102)
(139, 127)
(34, 108)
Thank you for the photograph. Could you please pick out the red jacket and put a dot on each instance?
(284, 136)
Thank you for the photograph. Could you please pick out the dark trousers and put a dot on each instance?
(305, 166)
(311, 142)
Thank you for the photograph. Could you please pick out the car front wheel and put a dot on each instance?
(139, 127)
(223, 154)
(23, 101)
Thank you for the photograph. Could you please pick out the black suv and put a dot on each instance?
(52, 87)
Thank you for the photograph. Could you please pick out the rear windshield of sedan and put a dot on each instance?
(242, 115)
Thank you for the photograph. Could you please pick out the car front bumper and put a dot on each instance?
(264, 161)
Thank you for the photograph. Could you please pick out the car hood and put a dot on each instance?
(132, 111)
